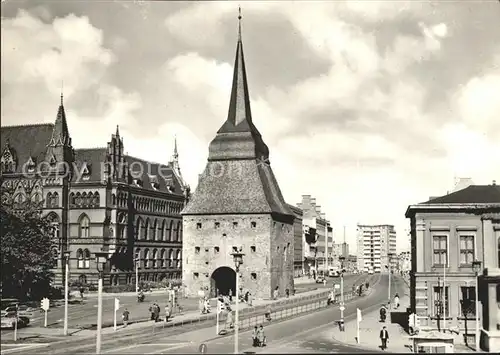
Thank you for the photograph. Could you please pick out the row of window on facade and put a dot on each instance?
(159, 258)
(196, 275)
(441, 306)
(147, 204)
(155, 277)
(21, 198)
(235, 249)
(84, 199)
(440, 248)
(216, 225)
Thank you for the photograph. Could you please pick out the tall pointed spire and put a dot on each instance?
(176, 154)
(238, 138)
(239, 118)
(117, 133)
(60, 132)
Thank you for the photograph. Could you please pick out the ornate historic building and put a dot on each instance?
(238, 205)
(98, 199)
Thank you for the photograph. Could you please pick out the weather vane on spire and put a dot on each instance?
(239, 22)
(62, 89)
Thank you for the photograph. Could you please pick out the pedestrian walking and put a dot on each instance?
(168, 312)
(396, 301)
(261, 338)
(276, 293)
(254, 337)
(384, 337)
(125, 316)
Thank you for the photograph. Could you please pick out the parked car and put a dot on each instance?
(23, 310)
(9, 321)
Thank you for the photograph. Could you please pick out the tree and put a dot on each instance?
(26, 251)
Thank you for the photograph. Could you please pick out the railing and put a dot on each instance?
(249, 317)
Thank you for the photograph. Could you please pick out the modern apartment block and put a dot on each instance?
(318, 235)
(376, 244)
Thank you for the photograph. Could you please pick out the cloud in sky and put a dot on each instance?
(368, 106)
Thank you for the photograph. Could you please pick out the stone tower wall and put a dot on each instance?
(282, 256)
(255, 241)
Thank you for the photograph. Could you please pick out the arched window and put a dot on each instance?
(174, 232)
(178, 259)
(160, 235)
(145, 227)
(152, 233)
(138, 257)
(179, 232)
(171, 258)
(169, 231)
(49, 200)
(146, 259)
(55, 200)
(72, 199)
(162, 258)
(96, 201)
(154, 255)
(84, 199)
(79, 257)
(138, 228)
(86, 259)
(84, 226)
(113, 199)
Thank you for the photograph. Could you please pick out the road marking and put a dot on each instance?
(21, 347)
(167, 345)
(171, 348)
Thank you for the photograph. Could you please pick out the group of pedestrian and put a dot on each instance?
(258, 337)
(154, 310)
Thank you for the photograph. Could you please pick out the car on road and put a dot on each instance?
(23, 310)
(9, 321)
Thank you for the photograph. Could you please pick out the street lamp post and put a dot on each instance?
(342, 307)
(66, 290)
(476, 266)
(136, 263)
(389, 270)
(238, 261)
(101, 258)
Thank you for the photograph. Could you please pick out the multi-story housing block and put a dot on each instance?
(376, 247)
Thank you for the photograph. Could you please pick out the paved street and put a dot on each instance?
(129, 340)
(83, 315)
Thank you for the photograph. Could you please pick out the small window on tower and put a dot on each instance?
(206, 250)
(198, 225)
(235, 224)
(197, 250)
(196, 275)
(254, 275)
(253, 224)
(216, 250)
(252, 249)
(235, 249)
(216, 225)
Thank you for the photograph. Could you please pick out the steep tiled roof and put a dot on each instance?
(27, 141)
(94, 158)
(471, 194)
(237, 186)
(296, 210)
(150, 172)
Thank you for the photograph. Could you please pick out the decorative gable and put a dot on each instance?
(85, 171)
(30, 164)
(153, 179)
(52, 160)
(8, 160)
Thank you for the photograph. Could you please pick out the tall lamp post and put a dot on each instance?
(476, 266)
(342, 307)
(238, 261)
(136, 263)
(100, 258)
(390, 271)
(66, 290)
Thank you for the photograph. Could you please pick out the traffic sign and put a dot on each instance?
(337, 286)
(203, 348)
(45, 304)
(342, 308)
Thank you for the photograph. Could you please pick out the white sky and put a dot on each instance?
(368, 106)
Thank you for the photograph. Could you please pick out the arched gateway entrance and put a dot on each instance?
(223, 279)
